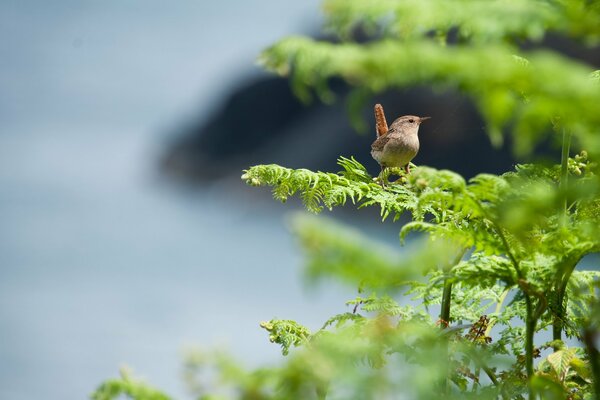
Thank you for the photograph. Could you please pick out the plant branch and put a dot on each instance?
(531, 317)
(564, 171)
(446, 300)
(509, 252)
(490, 373)
(445, 310)
(530, 324)
(500, 233)
(497, 310)
(561, 289)
(589, 336)
(447, 293)
(559, 314)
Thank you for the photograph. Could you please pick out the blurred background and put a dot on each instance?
(104, 260)
(126, 232)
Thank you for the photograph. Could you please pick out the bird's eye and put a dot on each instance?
(411, 120)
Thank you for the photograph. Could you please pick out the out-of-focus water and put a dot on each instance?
(100, 262)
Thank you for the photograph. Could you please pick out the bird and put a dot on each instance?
(397, 145)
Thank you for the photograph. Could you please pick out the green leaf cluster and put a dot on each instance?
(524, 233)
(128, 386)
(286, 333)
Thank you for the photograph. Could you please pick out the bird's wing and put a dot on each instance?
(380, 142)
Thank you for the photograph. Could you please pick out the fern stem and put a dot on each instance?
(444, 322)
(589, 335)
(564, 170)
(445, 310)
(509, 252)
(500, 233)
(497, 311)
(557, 319)
(561, 289)
(446, 301)
(530, 319)
(491, 374)
(559, 315)
(447, 293)
(530, 324)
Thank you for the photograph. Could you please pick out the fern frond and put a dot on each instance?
(335, 250)
(384, 305)
(477, 21)
(485, 270)
(286, 333)
(340, 320)
(135, 389)
(317, 189)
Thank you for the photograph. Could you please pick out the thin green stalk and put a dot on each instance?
(446, 301)
(589, 335)
(509, 252)
(490, 373)
(559, 315)
(564, 170)
(497, 311)
(530, 323)
(531, 317)
(447, 293)
(557, 319)
(561, 289)
(500, 233)
(445, 310)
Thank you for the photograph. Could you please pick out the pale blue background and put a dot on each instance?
(101, 261)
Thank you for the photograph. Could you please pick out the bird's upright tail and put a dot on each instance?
(380, 122)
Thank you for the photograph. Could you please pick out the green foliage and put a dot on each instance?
(497, 259)
(127, 386)
(474, 21)
(335, 251)
(286, 333)
(525, 233)
(560, 375)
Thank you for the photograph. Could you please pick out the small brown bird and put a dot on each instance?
(398, 145)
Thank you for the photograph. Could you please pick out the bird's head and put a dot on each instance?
(408, 124)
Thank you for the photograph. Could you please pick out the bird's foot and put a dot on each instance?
(380, 180)
(383, 179)
(398, 172)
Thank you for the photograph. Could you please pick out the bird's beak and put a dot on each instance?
(421, 119)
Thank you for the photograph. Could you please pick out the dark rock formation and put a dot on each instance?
(262, 122)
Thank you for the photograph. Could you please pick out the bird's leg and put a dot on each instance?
(382, 177)
(407, 169)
